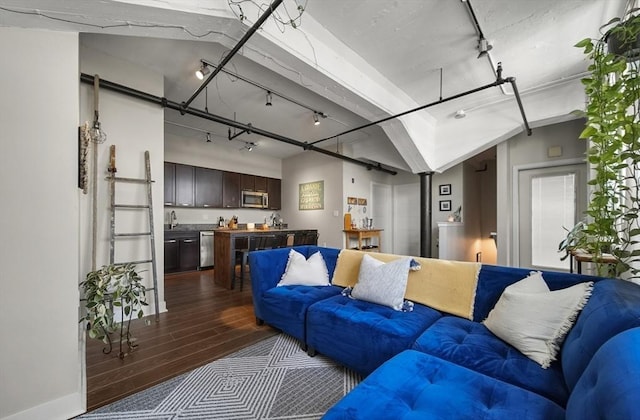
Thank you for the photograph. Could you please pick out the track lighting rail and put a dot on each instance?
(499, 81)
(265, 88)
(165, 103)
(235, 49)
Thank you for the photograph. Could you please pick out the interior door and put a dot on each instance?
(550, 201)
(381, 211)
(406, 219)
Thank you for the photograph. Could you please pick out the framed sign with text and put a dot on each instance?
(311, 196)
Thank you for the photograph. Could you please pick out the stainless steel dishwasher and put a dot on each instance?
(206, 249)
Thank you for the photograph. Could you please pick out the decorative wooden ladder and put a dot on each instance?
(113, 180)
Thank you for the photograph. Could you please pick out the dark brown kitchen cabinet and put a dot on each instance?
(185, 183)
(274, 187)
(171, 255)
(231, 183)
(260, 184)
(169, 184)
(208, 187)
(181, 251)
(189, 254)
(253, 183)
(247, 182)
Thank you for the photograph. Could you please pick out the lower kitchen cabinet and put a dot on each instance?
(181, 251)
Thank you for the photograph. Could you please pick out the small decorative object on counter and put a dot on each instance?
(347, 221)
(457, 217)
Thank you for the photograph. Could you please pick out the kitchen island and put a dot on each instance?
(226, 241)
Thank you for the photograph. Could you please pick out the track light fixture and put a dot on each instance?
(268, 98)
(202, 71)
(316, 121)
(208, 137)
(249, 145)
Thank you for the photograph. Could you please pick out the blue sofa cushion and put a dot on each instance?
(610, 386)
(472, 345)
(285, 307)
(415, 385)
(614, 307)
(363, 335)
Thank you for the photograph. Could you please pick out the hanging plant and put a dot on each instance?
(114, 286)
(612, 129)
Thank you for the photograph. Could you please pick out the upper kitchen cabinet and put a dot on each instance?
(169, 184)
(254, 183)
(275, 197)
(185, 185)
(248, 182)
(231, 186)
(208, 187)
(260, 184)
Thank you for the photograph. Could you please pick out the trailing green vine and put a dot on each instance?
(113, 286)
(612, 129)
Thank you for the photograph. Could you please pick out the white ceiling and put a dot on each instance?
(354, 60)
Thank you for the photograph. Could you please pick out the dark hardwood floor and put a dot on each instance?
(204, 322)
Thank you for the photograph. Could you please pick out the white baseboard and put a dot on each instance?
(62, 408)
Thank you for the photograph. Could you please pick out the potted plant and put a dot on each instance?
(613, 130)
(113, 286)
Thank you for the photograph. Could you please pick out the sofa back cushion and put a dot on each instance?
(610, 385)
(448, 286)
(267, 266)
(330, 256)
(614, 307)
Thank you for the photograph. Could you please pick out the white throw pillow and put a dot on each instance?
(303, 272)
(534, 319)
(381, 283)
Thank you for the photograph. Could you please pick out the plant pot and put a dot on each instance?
(620, 44)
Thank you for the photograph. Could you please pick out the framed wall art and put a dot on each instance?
(445, 205)
(311, 196)
(445, 189)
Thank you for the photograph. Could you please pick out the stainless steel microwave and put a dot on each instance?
(256, 200)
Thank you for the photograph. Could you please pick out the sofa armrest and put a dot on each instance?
(267, 268)
(609, 387)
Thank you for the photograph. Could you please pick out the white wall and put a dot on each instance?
(219, 154)
(40, 357)
(454, 177)
(356, 182)
(522, 150)
(309, 167)
(133, 126)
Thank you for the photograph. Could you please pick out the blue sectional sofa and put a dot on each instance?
(440, 360)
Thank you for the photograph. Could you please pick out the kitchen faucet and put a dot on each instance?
(173, 220)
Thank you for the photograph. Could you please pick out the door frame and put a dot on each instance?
(388, 208)
(515, 215)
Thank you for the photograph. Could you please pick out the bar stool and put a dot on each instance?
(305, 238)
(255, 243)
(280, 240)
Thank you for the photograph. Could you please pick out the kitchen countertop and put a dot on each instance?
(258, 230)
(214, 227)
(191, 227)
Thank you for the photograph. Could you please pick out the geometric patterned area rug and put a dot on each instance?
(272, 379)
